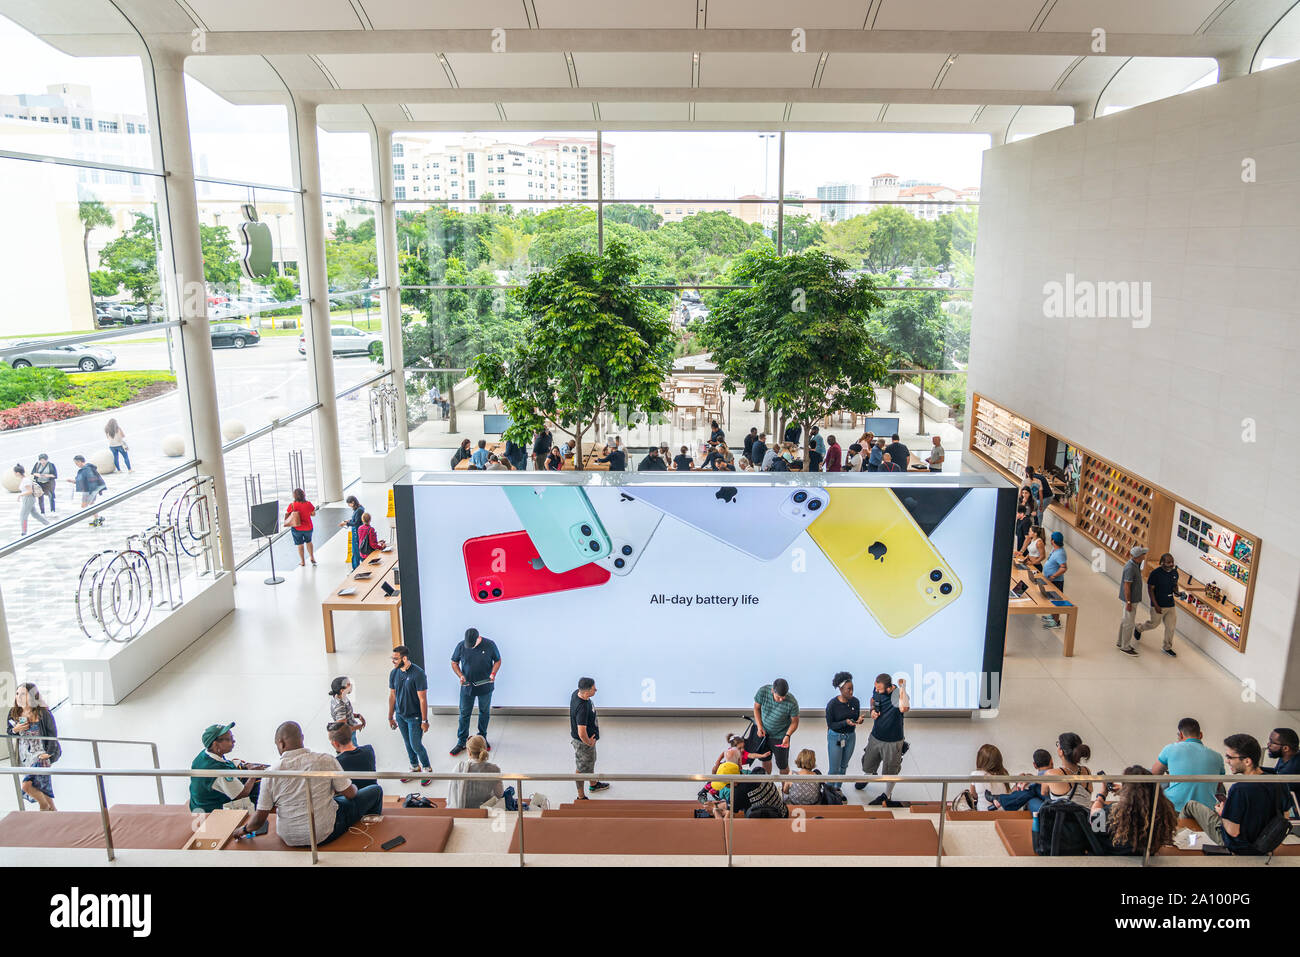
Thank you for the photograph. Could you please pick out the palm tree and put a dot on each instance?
(92, 213)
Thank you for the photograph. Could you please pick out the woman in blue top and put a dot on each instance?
(1054, 570)
(354, 523)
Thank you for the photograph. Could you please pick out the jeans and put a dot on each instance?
(839, 748)
(369, 800)
(27, 509)
(468, 693)
(42, 492)
(356, 549)
(119, 450)
(409, 727)
(1031, 799)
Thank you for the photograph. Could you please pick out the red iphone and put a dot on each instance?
(505, 566)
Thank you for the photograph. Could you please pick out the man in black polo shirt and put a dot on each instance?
(616, 458)
(683, 462)
(897, 452)
(349, 756)
(758, 451)
(408, 709)
(583, 733)
(1161, 585)
(475, 661)
(652, 463)
(1284, 746)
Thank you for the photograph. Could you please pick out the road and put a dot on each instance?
(254, 385)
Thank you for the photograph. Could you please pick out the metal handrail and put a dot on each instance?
(268, 429)
(98, 335)
(94, 743)
(634, 777)
(361, 385)
(99, 506)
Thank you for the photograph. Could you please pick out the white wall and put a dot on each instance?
(1156, 194)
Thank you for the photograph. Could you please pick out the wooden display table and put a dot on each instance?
(1035, 604)
(369, 595)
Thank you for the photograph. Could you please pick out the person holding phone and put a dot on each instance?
(475, 663)
(886, 744)
(38, 747)
(298, 517)
(776, 717)
(354, 522)
(843, 717)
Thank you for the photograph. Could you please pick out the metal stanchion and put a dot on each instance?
(519, 821)
(154, 748)
(311, 824)
(943, 812)
(103, 816)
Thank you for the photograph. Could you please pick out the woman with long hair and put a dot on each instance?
(988, 761)
(117, 444)
(554, 460)
(1125, 824)
(298, 517)
(354, 523)
(1072, 752)
(38, 747)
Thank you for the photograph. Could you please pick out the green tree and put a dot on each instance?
(103, 284)
(133, 258)
(799, 231)
(220, 261)
(797, 335)
(643, 218)
(897, 238)
(593, 344)
(914, 327)
(94, 214)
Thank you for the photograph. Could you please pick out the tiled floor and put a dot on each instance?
(265, 663)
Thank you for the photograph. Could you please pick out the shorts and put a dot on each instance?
(584, 757)
(300, 537)
(1057, 583)
(88, 497)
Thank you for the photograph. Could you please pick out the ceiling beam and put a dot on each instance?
(637, 94)
(327, 42)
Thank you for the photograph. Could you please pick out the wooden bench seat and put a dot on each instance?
(619, 836)
(427, 834)
(870, 838)
(854, 811)
(132, 830)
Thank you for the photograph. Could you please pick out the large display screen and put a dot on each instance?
(690, 595)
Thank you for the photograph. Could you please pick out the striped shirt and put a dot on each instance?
(776, 715)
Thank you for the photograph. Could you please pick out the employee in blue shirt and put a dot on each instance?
(1284, 746)
(1054, 570)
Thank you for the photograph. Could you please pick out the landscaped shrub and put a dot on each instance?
(35, 413)
(30, 384)
(97, 391)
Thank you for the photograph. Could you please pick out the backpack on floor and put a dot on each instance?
(832, 796)
(416, 799)
(1065, 829)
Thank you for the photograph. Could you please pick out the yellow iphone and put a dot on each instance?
(880, 551)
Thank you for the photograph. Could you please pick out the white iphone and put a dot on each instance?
(629, 523)
(761, 521)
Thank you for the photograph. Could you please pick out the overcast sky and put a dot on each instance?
(251, 143)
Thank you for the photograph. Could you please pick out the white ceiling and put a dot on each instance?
(996, 66)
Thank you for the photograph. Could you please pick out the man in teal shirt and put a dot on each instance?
(1189, 755)
(212, 794)
(776, 715)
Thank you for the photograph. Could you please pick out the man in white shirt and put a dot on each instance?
(336, 802)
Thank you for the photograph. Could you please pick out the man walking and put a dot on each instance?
(475, 661)
(541, 448)
(1130, 593)
(776, 717)
(583, 733)
(1161, 585)
(408, 710)
(90, 484)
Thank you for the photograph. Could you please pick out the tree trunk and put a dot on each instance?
(893, 398)
(451, 407)
(90, 287)
(577, 449)
(480, 401)
(780, 429)
(807, 436)
(757, 401)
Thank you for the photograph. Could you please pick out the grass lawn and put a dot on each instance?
(98, 391)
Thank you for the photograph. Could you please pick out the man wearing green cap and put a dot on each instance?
(212, 794)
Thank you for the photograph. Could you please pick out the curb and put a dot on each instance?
(87, 415)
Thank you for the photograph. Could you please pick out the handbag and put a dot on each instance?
(293, 519)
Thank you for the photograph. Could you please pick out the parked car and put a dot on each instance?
(49, 355)
(233, 334)
(346, 341)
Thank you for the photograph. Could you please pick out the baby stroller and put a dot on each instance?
(753, 747)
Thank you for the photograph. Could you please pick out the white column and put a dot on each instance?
(1235, 64)
(314, 279)
(8, 676)
(180, 233)
(386, 237)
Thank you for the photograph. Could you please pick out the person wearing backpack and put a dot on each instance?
(1124, 826)
(1062, 826)
(367, 538)
(1252, 806)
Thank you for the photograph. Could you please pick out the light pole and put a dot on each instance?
(767, 139)
(280, 238)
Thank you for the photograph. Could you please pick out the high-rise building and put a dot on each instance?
(832, 197)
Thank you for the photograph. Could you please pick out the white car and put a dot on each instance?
(347, 340)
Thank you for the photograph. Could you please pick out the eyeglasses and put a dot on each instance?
(1232, 757)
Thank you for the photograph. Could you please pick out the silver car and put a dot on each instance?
(50, 355)
(347, 340)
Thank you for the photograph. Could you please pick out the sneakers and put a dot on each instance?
(414, 770)
(1051, 623)
(988, 796)
(877, 800)
(486, 743)
(457, 750)
(890, 802)
(1137, 633)
(425, 782)
(1171, 653)
(860, 786)
(1131, 652)
(598, 786)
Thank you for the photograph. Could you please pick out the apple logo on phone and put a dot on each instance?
(727, 493)
(878, 551)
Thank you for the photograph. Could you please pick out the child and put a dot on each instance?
(367, 539)
(1024, 796)
(728, 763)
(737, 742)
(341, 707)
